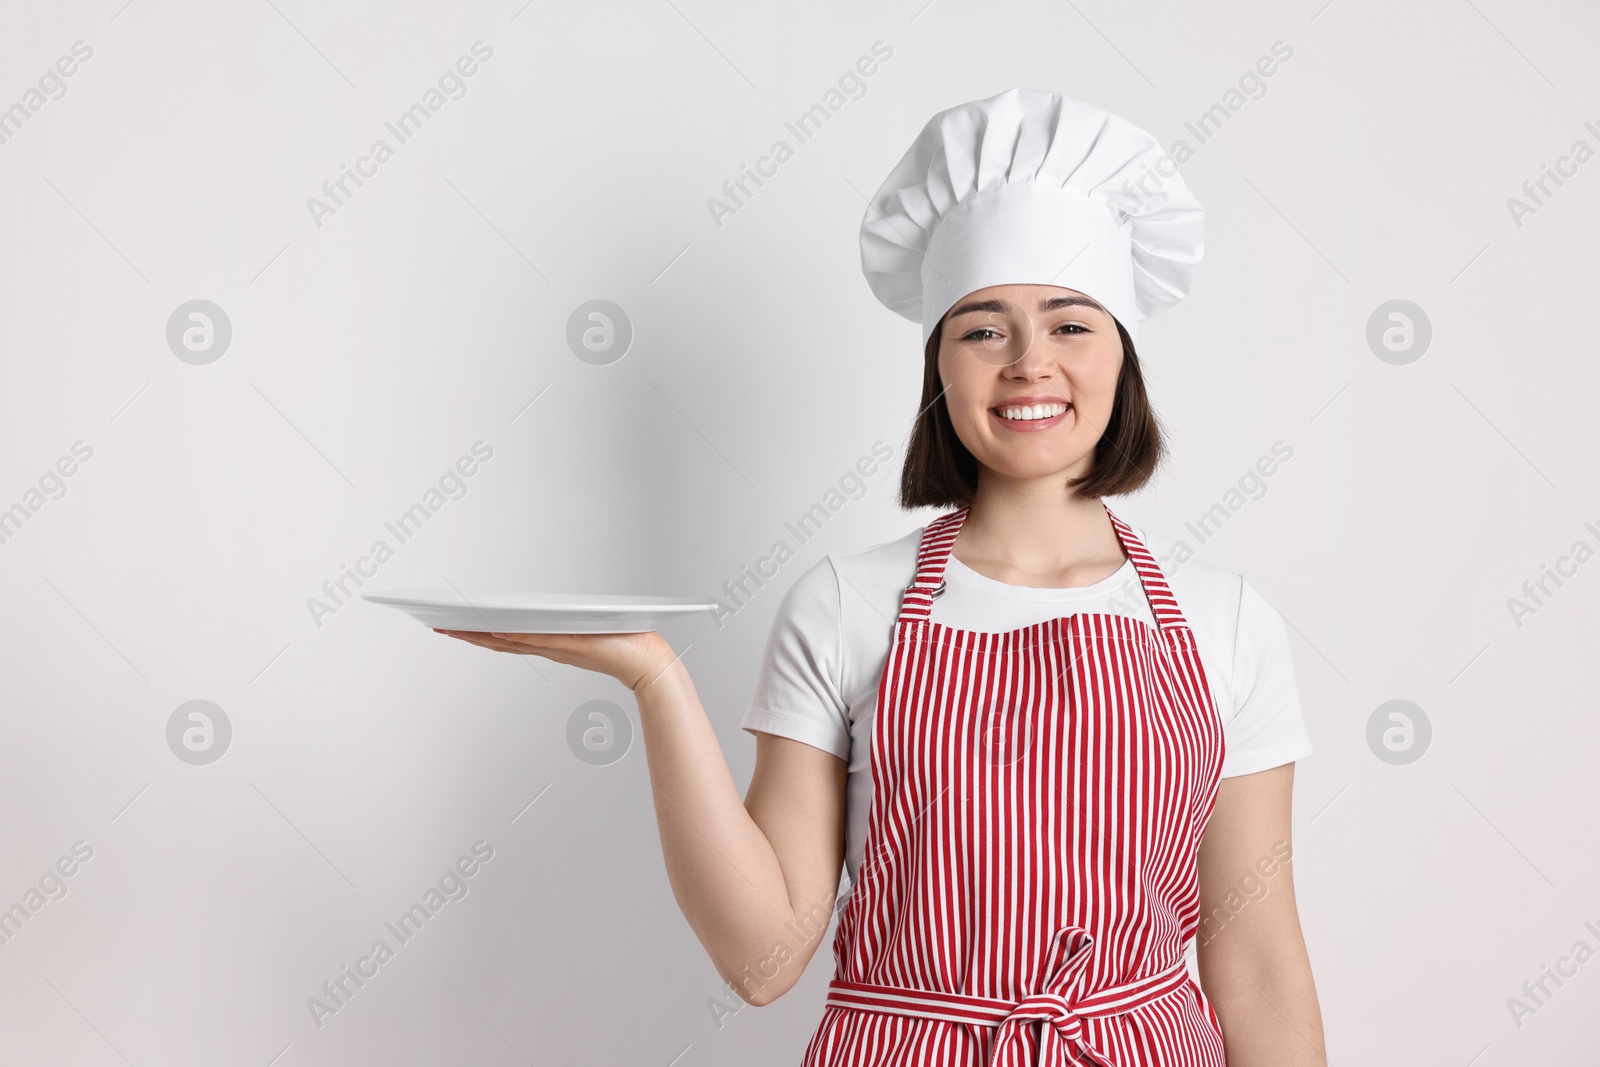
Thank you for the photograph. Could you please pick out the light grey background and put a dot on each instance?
(367, 354)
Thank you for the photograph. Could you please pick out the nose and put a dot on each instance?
(1031, 361)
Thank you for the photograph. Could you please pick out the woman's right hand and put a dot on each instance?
(634, 660)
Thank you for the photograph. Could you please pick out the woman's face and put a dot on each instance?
(1009, 354)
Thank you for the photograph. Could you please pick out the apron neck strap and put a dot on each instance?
(940, 535)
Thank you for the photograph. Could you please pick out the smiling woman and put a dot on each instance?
(1107, 411)
(1036, 791)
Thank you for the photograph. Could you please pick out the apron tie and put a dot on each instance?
(1061, 1035)
(1047, 1021)
(1044, 1028)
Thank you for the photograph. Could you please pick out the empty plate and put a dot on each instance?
(540, 613)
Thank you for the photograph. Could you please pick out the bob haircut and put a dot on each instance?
(940, 472)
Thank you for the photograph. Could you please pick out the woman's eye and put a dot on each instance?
(989, 333)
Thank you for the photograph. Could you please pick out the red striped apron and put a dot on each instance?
(1030, 880)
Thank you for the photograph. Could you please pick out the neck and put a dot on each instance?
(1037, 526)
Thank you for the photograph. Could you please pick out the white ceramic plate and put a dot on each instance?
(540, 613)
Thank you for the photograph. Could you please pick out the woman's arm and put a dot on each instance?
(756, 879)
(1252, 955)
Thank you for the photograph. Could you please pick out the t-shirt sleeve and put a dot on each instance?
(1268, 728)
(798, 689)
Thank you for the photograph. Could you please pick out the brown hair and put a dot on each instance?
(940, 472)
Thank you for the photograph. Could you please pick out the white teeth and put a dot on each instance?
(1030, 412)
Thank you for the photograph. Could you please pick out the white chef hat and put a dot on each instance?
(1032, 187)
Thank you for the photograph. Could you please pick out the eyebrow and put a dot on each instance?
(1049, 303)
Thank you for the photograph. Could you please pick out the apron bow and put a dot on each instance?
(1044, 1028)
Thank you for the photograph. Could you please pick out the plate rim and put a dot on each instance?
(674, 605)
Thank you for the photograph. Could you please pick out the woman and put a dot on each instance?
(1058, 763)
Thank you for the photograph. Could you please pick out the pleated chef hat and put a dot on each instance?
(1032, 187)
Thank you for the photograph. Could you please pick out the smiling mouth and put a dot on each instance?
(1031, 412)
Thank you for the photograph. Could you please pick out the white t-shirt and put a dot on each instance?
(830, 640)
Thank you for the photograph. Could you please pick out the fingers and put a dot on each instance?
(519, 644)
(495, 642)
(589, 651)
(524, 639)
(550, 642)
